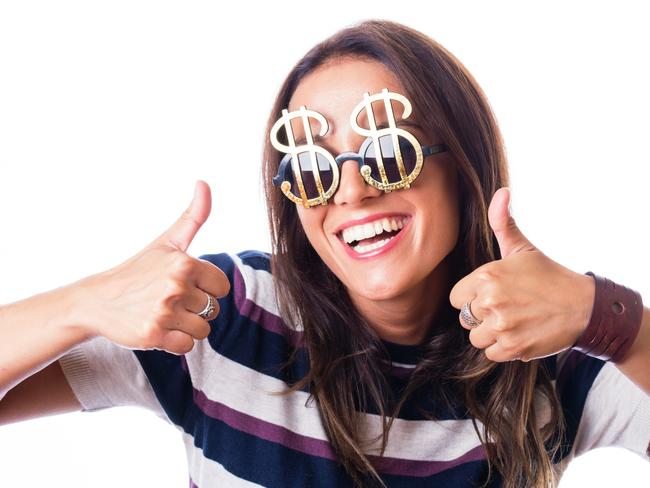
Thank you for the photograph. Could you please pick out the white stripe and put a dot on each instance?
(247, 391)
(616, 413)
(403, 365)
(206, 472)
(259, 287)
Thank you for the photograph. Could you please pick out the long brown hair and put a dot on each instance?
(345, 373)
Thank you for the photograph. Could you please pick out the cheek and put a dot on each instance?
(443, 219)
(311, 220)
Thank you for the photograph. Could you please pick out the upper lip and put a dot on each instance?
(368, 218)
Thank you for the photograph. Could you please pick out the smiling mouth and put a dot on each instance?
(373, 235)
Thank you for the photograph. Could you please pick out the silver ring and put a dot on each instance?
(467, 316)
(209, 308)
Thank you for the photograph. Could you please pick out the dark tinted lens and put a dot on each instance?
(307, 175)
(407, 150)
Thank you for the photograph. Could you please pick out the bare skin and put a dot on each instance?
(150, 301)
(400, 291)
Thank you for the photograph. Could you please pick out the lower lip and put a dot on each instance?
(376, 252)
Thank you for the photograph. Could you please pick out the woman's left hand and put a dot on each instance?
(529, 306)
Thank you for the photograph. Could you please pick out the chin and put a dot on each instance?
(381, 288)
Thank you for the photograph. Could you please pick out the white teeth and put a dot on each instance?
(371, 229)
(371, 247)
(368, 230)
(359, 233)
(386, 224)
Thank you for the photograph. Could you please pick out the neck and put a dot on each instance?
(406, 319)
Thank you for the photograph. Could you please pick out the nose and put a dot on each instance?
(352, 187)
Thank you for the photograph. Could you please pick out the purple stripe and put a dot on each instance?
(400, 372)
(256, 313)
(316, 447)
(264, 430)
(192, 485)
(396, 371)
(410, 467)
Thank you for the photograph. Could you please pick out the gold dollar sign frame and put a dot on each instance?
(309, 147)
(392, 130)
(373, 136)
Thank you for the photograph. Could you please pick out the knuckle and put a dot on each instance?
(473, 338)
(501, 325)
(149, 334)
(185, 348)
(174, 291)
(491, 301)
(486, 274)
(204, 332)
(508, 345)
(490, 355)
(180, 345)
(183, 267)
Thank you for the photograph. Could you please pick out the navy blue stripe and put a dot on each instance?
(255, 259)
(402, 353)
(170, 382)
(258, 460)
(466, 475)
(246, 342)
(550, 363)
(573, 395)
(261, 461)
(264, 462)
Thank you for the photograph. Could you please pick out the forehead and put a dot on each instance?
(336, 88)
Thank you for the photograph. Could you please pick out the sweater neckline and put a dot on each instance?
(403, 353)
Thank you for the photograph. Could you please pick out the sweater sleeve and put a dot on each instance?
(602, 406)
(103, 375)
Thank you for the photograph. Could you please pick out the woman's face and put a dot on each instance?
(428, 210)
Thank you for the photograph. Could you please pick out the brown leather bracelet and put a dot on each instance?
(614, 323)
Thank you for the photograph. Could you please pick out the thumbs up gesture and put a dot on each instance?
(523, 306)
(152, 300)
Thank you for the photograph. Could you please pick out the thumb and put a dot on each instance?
(510, 238)
(181, 233)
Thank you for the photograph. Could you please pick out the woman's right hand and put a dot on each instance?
(152, 300)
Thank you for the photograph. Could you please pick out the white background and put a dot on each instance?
(109, 112)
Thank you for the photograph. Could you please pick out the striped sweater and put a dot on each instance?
(237, 433)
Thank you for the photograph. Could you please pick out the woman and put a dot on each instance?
(360, 314)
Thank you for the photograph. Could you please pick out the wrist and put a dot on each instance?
(585, 298)
(75, 304)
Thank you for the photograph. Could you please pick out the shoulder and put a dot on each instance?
(252, 286)
(258, 260)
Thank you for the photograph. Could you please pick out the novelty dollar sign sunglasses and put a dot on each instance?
(389, 159)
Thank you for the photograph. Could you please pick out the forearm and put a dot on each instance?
(36, 331)
(636, 364)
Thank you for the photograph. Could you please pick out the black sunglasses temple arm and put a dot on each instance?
(434, 149)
